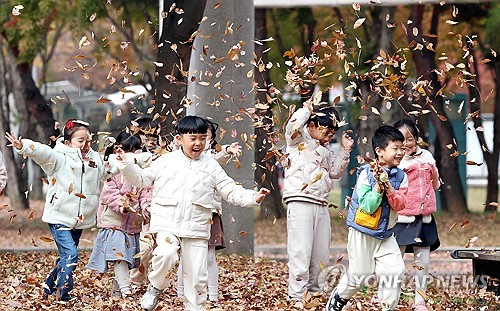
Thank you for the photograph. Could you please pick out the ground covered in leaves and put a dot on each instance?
(245, 284)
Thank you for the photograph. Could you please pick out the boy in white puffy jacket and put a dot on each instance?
(309, 175)
(184, 183)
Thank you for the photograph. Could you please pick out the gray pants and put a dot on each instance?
(308, 246)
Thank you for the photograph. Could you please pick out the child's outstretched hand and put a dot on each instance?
(14, 142)
(347, 142)
(234, 149)
(120, 154)
(262, 194)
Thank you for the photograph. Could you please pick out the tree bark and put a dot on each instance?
(452, 193)
(174, 52)
(17, 183)
(266, 173)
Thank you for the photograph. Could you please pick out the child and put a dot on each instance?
(308, 181)
(216, 241)
(3, 175)
(184, 182)
(119, 217)
(372, 248)
(76, 174)
(148, 129)
(416, 230)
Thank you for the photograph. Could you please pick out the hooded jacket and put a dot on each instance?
(74, 182)
(183, 192)
(311, 166)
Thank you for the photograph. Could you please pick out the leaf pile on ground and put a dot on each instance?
(245, 284)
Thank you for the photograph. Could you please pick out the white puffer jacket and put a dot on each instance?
(74, 183)
(3, 175)
(309, 163)
(183, 192)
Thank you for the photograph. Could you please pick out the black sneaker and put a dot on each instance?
(335, 302)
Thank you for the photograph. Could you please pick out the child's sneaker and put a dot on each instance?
(421, 306)
(115, 291)
(335, 302)
(150, 298)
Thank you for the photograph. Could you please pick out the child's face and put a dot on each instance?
(321, 133)
(392, 154)
(80, 139)
(149, 141)
(192, 144)
(208, 143)
(410, 144)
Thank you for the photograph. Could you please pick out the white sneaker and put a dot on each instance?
(150, 298)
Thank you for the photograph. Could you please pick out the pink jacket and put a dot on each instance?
(423, 181)
(121, 205)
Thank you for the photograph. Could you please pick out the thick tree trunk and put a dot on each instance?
(452, 193)
(266, 173)
(493, 158)
(174, 52)
(36, 104)
(490, 153)
(17, 182)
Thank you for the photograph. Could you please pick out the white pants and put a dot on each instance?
(308, 246)
(368, 255)
(146, 245)
(213, 276)
(194, 262)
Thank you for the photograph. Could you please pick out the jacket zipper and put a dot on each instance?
(81, 191)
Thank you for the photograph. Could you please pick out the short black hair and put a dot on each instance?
(412, 127)
(127, 141)
(191, 125)
(325, 116)
(384, 135)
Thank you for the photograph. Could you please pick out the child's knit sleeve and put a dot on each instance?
(369, 199)
(397, 198)
(295, 126)
(3, 174)
(338, 164)
(222, 157)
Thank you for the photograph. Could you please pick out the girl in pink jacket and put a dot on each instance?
(416, 230)
(122, 209)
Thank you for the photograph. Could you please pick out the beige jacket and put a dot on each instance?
(183, 192)
(312, 167)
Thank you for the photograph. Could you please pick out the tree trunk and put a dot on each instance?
(452, 193)
(230, 103)
(174, 52)
(37, 105)
(266, 173)
(493, 158)
(16, 184)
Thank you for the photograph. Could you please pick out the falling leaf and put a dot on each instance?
(359, 22)
(464, 224)
(80, 195)
(375, 111)
(92, 17)
(243, 233)
(70, 188)
(452, 226)
(46, 239)
(108, 116)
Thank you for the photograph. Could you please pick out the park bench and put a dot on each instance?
(485, 267)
